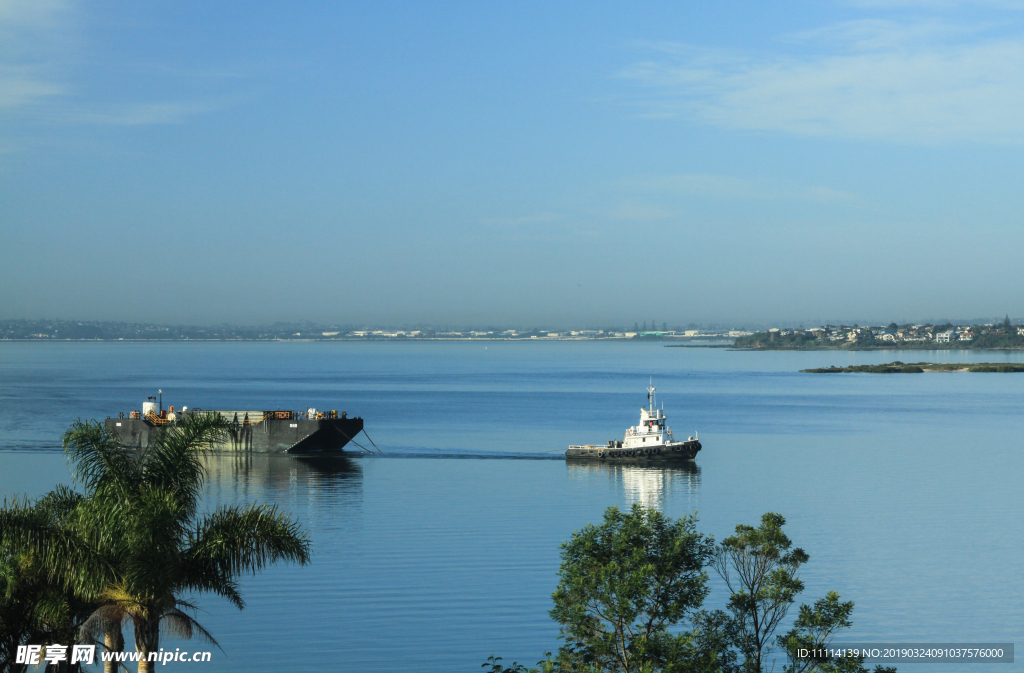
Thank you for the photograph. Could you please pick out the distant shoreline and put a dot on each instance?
(898, 367)
(928, 347)
(705, 342)
(1002, 336)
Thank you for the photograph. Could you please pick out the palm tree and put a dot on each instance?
(35, 606)
(165, 555)
(136, 541)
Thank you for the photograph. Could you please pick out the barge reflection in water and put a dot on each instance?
(249, 476)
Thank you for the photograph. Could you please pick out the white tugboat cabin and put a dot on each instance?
(652, 439)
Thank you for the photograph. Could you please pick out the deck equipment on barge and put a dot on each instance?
(651, 440)
(248, 430)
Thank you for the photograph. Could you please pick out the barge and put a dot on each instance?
(651, 440)
(258, 431)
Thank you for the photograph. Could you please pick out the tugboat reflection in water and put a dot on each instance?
(650, 483)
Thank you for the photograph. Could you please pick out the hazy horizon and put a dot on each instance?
(564, 165)
(608, 325)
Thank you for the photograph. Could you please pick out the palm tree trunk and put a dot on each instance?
(113, 641)
(147, 640)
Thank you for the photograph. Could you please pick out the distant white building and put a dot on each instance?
(945, 337)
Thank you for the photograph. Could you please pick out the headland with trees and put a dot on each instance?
(1000, 335)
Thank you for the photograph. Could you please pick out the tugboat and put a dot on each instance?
(652, 440)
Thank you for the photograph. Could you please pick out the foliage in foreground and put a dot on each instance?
(630, 593)
(78, 568)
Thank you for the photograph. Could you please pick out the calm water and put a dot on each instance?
(904, 489)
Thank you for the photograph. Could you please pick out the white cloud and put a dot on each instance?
(31, 14)
(527, 220)
(31, 39)
(169, 112)
(924, 82)
(23, 85)
(934, 4)
(42, 51)
(640, 212)
(729, 187)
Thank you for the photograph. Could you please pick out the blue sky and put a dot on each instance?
(511, 163)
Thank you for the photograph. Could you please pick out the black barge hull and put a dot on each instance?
(265, 436)
(664, 454)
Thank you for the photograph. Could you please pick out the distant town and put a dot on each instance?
(990, 335)
(70, 330)
(1005, 334)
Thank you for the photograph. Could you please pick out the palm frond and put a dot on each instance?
(204, 575)
(174, 458)
(103, 620)
(62, 554)
(60, 503)
(98, 458)
(152, 537)
(183, 625)
(245, 540)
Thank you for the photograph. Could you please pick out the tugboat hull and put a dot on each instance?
(666, 453)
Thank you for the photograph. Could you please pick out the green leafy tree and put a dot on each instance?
(622, 585)
(813, 630)
(762, 574)
(812, 633)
